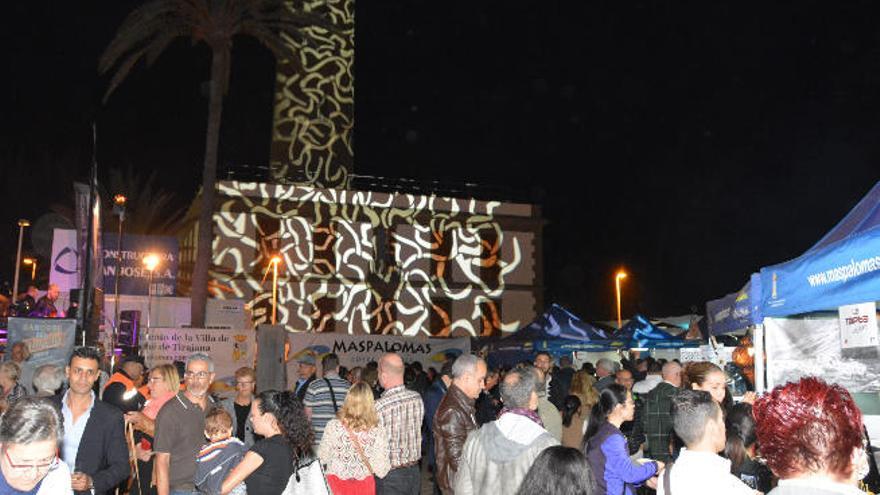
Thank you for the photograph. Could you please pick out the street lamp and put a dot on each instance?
(119, 210)
(33, 264)
(151, 261)
(22, 223)
(617, 278)
(274, 261)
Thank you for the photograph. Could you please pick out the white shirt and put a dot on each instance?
(648, 384)
(699, 473)
(822, 483)
(73, 432)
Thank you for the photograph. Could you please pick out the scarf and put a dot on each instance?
(151, 409)
(523, 411)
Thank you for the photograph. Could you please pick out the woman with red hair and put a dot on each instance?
(810, 434)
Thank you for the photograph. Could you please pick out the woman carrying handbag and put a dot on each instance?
(354, 446)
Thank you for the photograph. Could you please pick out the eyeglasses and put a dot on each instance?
(201, 375)
(23, 469)
(239, 384)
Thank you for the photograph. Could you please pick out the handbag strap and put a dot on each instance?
(667, 475)
(332, 396)
(360, 451)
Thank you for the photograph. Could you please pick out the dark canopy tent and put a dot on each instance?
(557, 331)
(640, 333)
(737, 311)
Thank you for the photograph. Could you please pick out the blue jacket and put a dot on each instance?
(614, 471)
(432, 399)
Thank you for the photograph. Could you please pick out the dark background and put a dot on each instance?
(690, 142)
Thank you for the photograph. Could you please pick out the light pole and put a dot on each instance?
(617, 278)
(274, 261)
(32, 262)
(151, 261)
(22, 223)
(118, 209)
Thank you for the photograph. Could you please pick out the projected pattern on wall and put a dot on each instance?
(314, 103)
(362, 262)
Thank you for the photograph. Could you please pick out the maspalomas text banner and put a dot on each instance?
(229, 349)
(358, 350)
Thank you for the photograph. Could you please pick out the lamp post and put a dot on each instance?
(32, 262)
(151, 261)
(275, 260)
(119, 210)
(617, 278)
(22, 223)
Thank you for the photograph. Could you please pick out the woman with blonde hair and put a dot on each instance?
(576, 409)
(354, 446)
(583, 386)
(164, 383)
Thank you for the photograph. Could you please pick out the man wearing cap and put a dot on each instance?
(306, 373)
(121, 389)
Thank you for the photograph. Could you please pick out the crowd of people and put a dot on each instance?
(616, 428)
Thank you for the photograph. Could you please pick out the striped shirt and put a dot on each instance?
(320, 401)
(401, 412)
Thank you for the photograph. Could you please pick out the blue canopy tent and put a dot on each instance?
(736, 311)
(640, 333)
(557, 331)
(842, 268)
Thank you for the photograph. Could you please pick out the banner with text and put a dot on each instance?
(229, 349)
(50, 340)
(134, 278)
(358, 350)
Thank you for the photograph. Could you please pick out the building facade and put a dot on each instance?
(374, 262)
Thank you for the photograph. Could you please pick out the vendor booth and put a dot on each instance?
(820, 310)
(840, 276)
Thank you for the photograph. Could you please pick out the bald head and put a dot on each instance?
(672, 373)
(390, 370)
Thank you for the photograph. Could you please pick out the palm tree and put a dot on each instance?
(150, 29)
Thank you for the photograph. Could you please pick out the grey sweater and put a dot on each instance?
(492, 462)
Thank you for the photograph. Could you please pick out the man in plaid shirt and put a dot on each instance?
(401, 412)
(657, 414)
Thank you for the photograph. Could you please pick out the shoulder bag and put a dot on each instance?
(307, 479)
(360, 450)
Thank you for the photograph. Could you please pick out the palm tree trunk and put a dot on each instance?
(204, 248)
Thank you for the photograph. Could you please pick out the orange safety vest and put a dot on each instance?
(119, 377)
(129, 385)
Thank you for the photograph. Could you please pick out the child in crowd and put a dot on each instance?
(216, 459)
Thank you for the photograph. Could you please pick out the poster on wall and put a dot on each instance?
(50, 340)
(858, 325)
(358, 350)
(229, 349)
(798, 347)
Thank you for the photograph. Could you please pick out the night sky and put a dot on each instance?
(690, 142)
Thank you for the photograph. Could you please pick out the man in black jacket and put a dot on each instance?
(560, 382)
(306, 369)
(94, 433)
